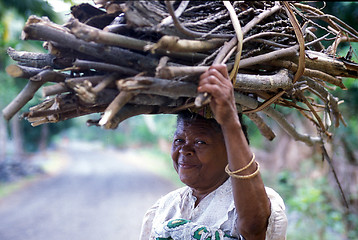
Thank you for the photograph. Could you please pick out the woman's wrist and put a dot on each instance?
(231, 124)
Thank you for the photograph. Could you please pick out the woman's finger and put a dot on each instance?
(222, 69)
(211, 79)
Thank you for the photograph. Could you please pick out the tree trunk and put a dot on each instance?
(16, 132)
(3, 138)
(44, 137)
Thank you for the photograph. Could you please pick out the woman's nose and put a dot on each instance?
(186, 150)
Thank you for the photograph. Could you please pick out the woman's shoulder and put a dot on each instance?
(275, 197)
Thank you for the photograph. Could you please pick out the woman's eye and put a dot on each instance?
(200, 142)
(178, 141)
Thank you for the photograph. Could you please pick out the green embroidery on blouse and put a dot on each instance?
(176, 223)
(217, 235)
(199, 232)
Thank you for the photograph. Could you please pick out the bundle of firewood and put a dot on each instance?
(126, 58)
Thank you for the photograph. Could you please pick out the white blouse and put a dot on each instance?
(174, 216)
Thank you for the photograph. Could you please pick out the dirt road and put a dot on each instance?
(96, 197)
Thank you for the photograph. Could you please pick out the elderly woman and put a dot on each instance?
(225, 197)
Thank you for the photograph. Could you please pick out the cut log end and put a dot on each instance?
(14, 71)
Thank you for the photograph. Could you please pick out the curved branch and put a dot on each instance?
(187, 31)
(168, 20)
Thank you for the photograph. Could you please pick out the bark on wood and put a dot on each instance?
(106, 67)
(149, 85)
(274, 61)
(40, 30)
(30, 59)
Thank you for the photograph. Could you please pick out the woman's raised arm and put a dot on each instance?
(251, 201)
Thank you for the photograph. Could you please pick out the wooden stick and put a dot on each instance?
(30, 59)
(17, 71)
(49, 76)
(240, 36)
(244, 82)
(247, 62)
(89, 94)
(21, 99)
(329, 98)
(259, 18)
(300, 39)
(329, 65)
(309, 72)
(175, 44)
(265, 130)
(93, 79)
(104, 83)
(54, 89)
(170, 72)
(42, 30)
(279, 118)
(122, 98)
(280, 80)
(29, 91)
(168, 20)
(245, 29)
(187, 31)
(88, 33)
(84, 64)
(157, 86)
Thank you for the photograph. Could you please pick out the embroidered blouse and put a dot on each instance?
(175, 216)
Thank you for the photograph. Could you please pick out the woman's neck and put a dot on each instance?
(200, 194)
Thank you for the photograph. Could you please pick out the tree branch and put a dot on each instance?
(30, 59)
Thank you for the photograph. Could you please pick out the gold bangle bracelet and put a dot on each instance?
(241, 169)
(231, 174)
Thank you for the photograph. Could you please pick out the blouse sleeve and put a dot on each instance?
(147, 222)
(277, 226)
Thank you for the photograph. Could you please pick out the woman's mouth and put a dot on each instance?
(186, 165)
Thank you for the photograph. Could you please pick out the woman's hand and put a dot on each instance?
(216, 82)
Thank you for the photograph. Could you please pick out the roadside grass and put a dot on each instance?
(50, 162)
(8, 188)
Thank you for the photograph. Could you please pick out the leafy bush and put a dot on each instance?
(313, 208)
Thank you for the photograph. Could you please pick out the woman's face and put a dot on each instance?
(199, 154)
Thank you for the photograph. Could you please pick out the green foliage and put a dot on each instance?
(309, 201)
(26, 8)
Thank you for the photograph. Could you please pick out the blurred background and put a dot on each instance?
(70, 181)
